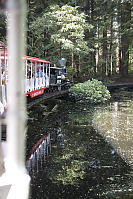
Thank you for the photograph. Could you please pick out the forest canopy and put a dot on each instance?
(95, 36)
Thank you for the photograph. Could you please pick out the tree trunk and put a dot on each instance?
(125, 41)
(104, 54)
(93, 54)
(110, 68)
(98, 69)
(72, 60)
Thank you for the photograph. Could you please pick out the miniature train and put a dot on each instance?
(40, 77)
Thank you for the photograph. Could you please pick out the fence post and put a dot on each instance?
(16, 175)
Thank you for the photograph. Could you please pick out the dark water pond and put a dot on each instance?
(91, 151)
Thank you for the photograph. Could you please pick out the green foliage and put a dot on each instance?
(62, 27)
(71, 26)
(70, 72)
(69, 167)
(3, 23)
(84, 28)
(91, 91)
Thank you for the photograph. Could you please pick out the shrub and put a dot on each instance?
(91, 91)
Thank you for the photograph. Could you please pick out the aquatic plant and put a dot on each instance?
(92, 91)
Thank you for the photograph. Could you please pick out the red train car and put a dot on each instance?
(37, 76)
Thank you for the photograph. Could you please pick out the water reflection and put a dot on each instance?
(115, 123)
(82, 163)
(40, 151)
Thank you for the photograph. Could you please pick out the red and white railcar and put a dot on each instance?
(3, 77)
(37, 76)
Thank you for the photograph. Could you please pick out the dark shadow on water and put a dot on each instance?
(81, 164)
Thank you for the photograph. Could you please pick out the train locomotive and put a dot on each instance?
(40, 77)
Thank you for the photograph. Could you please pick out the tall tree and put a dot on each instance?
(65, 26)
(109, 39)
(125, 39)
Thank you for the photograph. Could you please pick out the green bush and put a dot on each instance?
(91, 91)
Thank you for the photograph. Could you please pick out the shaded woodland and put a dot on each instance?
(95, 36)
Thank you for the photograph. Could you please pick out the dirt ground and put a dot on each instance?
(118, 79)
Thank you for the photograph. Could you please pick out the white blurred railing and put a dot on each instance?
(14, 183)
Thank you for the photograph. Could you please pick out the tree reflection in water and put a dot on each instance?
(85, 162)
(117, 127)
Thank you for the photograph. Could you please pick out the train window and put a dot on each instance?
(52, 71)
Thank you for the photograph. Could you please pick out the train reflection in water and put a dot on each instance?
(40, 152)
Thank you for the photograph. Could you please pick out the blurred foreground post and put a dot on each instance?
(15, 174)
